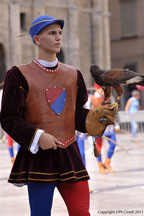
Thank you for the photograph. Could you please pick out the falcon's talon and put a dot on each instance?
(102, 103)
(115, 106)
(105, 103)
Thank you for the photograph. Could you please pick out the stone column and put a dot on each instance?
(106, 36)
(97, 32)
(38, 9)
(14, 32)
(73, 52)
(4, 32)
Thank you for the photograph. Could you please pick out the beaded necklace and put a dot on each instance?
(44, 68)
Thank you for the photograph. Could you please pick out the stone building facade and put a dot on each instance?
(85, 36)
(127, 38)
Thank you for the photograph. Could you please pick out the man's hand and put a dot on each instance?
(47, 141)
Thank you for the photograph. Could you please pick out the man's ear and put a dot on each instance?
(36, 40)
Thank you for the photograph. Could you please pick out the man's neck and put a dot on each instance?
(47, 57)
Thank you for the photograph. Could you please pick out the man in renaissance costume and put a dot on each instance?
(42, 106)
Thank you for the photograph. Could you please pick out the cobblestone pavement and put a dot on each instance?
(120, 194)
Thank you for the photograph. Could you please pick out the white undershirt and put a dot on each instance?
(48, 64)
(35, 145)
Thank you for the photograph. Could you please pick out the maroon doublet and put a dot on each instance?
(25, 87)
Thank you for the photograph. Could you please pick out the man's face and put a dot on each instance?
(49, 39)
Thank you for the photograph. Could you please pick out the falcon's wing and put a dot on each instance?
(117, 76)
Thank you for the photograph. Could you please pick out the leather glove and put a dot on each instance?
(98, 119)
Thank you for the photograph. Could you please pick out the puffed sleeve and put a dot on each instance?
(12, 110)
(82, 97)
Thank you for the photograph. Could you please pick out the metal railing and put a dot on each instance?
(125, 119)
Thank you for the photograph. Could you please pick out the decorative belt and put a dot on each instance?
(67, 142)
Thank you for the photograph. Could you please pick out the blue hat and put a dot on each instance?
(41, 22)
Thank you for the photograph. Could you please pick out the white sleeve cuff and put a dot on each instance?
(35, 146)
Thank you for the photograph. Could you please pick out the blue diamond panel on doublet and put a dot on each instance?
(58, 104)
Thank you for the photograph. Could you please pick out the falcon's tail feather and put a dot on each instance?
(136, 79)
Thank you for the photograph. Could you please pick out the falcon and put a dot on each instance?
(115, 78)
